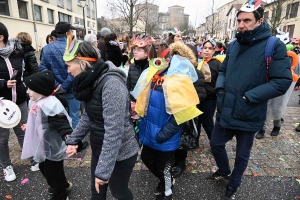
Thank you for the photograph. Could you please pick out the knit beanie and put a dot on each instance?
(41, 82)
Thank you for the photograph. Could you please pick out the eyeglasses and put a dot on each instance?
(138, 50)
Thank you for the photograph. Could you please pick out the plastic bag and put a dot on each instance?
(189, 135)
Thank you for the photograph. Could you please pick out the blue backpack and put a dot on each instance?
(269, 51)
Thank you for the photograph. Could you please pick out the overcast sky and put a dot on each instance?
(197, 9)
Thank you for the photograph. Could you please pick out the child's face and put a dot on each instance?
(139, 53)
(33, 95)
(208, 50)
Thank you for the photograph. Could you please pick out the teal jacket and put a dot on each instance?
(243, 73)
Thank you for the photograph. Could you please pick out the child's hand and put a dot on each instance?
(23, 127)
(71, 150)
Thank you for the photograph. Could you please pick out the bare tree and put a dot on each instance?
(277, 11)
(127, 10)
(149, 17)
(213, 21)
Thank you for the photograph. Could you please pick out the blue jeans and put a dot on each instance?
(74, 107)
(208, 107)
(244, 141)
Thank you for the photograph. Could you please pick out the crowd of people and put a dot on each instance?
(173, 87)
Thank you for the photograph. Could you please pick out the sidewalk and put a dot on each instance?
(272, 172)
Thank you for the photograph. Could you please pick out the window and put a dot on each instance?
(89, 24)
(266, 16)
(69, 4)
(60, 3)
(88, 12)
(22, 6)
(50, 16)
(92, 5)
(64, 18)
(93, 14)
(78, 21)
(290, 29)
(287, 12)
(294, 10)
(4, 10)
(87, 3)
(38, 13)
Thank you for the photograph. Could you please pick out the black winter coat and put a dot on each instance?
(134, 74)
(31, 65)
(113, 53)
(16, 60)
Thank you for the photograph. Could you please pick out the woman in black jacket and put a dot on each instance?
(31, 65)
(113, 51)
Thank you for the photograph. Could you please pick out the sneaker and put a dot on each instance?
(275, 131)
(163, 197)
(157, 191)
(229, 194)
(69, 186)
(260, 134)
(217, 177)
(9, 173)
(35, 167)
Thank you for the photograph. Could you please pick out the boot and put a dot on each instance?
(260, 134)
(179, 169)
(275, 131)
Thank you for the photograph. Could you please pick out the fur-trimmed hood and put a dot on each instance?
(179, 48)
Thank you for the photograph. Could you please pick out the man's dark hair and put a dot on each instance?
(258, 13)
(4, 32)
(110, 37)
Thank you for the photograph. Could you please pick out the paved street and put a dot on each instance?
(271, 174)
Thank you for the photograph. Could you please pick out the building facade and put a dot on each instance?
(175, 17)
(289, 15)
(38, 17)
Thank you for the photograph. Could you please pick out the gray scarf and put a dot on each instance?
(10, 47)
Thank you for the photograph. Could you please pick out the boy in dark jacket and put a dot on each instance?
(47, 127)
(140, 53)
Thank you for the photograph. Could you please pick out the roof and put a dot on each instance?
(175, 6)
(236, 6)
(147, 3)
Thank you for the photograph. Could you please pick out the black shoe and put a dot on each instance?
(178, 171)
(163, 197)
(298, 128)
(157, 191)
(260, 134)
(275, 131)
(217, 177)
(230, 194)
(69, 186)
(282, 120)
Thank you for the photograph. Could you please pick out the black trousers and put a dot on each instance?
(118, 182)
(54, 173)
(159, 163)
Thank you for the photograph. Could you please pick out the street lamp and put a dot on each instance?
(83, 4)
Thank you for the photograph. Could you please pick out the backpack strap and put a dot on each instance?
(230, 46)
(269, 51)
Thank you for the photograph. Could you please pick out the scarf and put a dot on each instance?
(141, 63)
(84, 82)
(10, 47)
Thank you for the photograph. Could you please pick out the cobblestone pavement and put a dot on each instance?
(272, 159)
